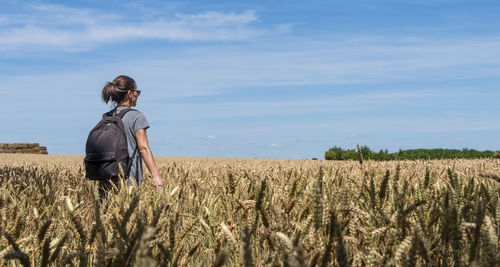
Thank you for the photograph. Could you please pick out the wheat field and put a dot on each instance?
(252, 212)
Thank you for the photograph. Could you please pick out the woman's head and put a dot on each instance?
(121, 89)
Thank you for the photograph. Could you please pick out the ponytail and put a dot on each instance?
(117, 89)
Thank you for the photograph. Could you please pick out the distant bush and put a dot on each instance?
(337, 153)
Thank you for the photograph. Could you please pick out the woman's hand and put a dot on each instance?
(157, 182)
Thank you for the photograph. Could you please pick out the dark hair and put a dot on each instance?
(117, 89)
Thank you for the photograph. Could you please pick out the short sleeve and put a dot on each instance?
(140, 122)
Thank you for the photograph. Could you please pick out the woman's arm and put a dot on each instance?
(147, 155)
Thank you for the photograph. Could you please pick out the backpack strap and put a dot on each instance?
(122, 112)
(109, 113)
(119, 114)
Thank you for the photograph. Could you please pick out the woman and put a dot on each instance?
(123, 93)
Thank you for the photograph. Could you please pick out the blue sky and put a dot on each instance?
(267, 79)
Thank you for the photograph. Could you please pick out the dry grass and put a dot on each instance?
(253, 212)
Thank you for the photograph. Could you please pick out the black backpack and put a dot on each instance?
(106, 148)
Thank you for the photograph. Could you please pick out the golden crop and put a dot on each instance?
(252, 212)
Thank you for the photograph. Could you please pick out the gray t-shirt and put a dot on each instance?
(133, 121)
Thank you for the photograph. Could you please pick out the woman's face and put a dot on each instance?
(133, 97)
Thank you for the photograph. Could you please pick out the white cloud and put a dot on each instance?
(212, 18)
(58, 15)
(210, 139)
(61, 27)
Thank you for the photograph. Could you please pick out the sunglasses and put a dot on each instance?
(138, 92)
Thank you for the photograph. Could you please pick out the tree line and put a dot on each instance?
(338, 153)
